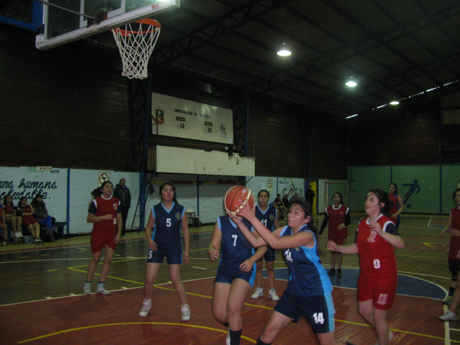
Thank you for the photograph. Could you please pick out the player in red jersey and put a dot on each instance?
(454, 247)
(11, 217)
(338, 216)
(375, 240)
(28, 220)
(105, 212)
(396, 204)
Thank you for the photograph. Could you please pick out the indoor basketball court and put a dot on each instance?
(45, 296)
(209, 94)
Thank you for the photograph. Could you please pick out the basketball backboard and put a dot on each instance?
(70, 20)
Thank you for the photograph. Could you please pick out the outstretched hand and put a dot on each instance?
(236, 219)
(331, 245)
(246, 211)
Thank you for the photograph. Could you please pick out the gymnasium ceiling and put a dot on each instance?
(392, 48)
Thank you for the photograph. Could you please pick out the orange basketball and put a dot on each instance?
(236, 197)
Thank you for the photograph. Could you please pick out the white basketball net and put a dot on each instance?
(136, 44)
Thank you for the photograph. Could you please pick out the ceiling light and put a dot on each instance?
(284, 51)
(394, 101)
(351, 82)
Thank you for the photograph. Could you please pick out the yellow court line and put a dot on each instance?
(396, 330)
(130, 323)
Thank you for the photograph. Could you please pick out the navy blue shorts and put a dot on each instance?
(158, 257)
(269, 256)
(228, 276)
(318, 310)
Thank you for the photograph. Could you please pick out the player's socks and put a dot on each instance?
(260, 342)
(235, 337)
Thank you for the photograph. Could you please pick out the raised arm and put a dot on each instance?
(273, 239)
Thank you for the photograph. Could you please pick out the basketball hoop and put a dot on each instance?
(136, 46)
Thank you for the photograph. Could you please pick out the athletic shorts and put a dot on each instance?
(158, 257)
(454, 266)
(101, 238)
(382, 293)
(318, 310)
(227, 277)
(340, 240)
(269, 256)
(28, 220)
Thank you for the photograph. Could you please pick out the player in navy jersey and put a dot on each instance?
(269, 217)
(309, 289)
(375, 240)
(105, 212)
(338, 216)
(163, 233)
(235, 275)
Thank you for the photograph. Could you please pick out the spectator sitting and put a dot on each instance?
(11, 218)
(279, 205)
(294, 198)
(286, 201)
(42, 217)
(29, 221)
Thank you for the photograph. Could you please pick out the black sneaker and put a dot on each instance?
(339, 273)
(332, 272)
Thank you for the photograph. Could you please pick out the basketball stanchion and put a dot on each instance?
(136, 42)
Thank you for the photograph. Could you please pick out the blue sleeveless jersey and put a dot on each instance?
(307, 275)
(166, 232)
(268, 217)
(235, 248)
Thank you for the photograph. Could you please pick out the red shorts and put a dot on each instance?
(382, 292)
(101, 238)
(28, 220)
(337, 238)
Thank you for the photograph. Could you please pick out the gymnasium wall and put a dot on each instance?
(424, 188)
(64, 107)
(68, 107)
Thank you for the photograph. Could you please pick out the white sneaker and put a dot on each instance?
(87, 289)
(185, 312)
(390, 337)
(101, 289)
(145, 308)
(17, 235)
(448, 316)
(272, 295)
(258, 293)
(227, 340)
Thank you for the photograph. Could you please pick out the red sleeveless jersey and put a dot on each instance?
(376, 256)
(337, 217)
(103, 207)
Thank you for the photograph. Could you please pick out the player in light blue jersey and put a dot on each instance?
(309, 289)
